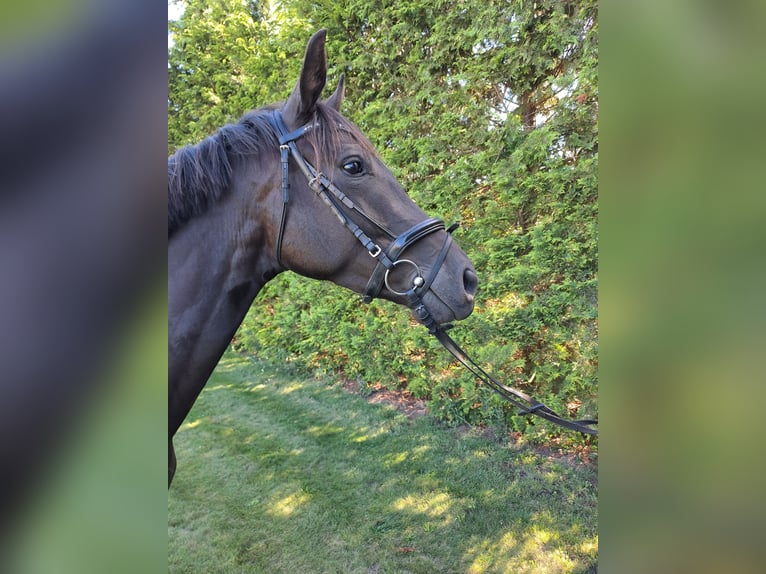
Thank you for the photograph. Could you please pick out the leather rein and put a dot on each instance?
(389, 259)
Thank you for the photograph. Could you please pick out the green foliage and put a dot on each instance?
(227, 57)
(487, 113)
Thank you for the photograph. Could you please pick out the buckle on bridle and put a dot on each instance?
(316, 181)
(375, 251)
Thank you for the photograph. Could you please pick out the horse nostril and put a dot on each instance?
(470, 282)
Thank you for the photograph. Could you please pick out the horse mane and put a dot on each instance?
(199, 174)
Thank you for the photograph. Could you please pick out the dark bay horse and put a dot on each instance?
(294, 187)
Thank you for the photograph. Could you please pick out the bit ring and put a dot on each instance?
(418, 280)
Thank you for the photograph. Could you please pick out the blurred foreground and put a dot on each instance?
(82, 297)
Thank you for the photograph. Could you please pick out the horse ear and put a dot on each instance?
(336, 99)
(302, 102)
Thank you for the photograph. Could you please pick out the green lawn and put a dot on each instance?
(279, 474)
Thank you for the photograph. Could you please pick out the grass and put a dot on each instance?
(278, 474)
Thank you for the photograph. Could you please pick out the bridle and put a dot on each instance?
(389, 259)
(339, 203)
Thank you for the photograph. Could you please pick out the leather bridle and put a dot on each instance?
(339, 203)
(389, 259)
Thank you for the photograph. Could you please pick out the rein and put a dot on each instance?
(526, 404)
(388, 260)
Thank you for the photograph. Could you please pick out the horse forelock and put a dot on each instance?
(326, 138)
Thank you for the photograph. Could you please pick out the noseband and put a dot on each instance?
(339, 203)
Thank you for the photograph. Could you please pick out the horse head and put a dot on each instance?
(342, 216)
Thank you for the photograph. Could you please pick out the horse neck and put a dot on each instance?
(217, 264)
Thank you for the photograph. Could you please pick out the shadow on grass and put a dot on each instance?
(278, 474)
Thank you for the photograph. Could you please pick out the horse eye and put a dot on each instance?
(353, 166)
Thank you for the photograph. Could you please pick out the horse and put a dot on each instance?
(238, 215)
